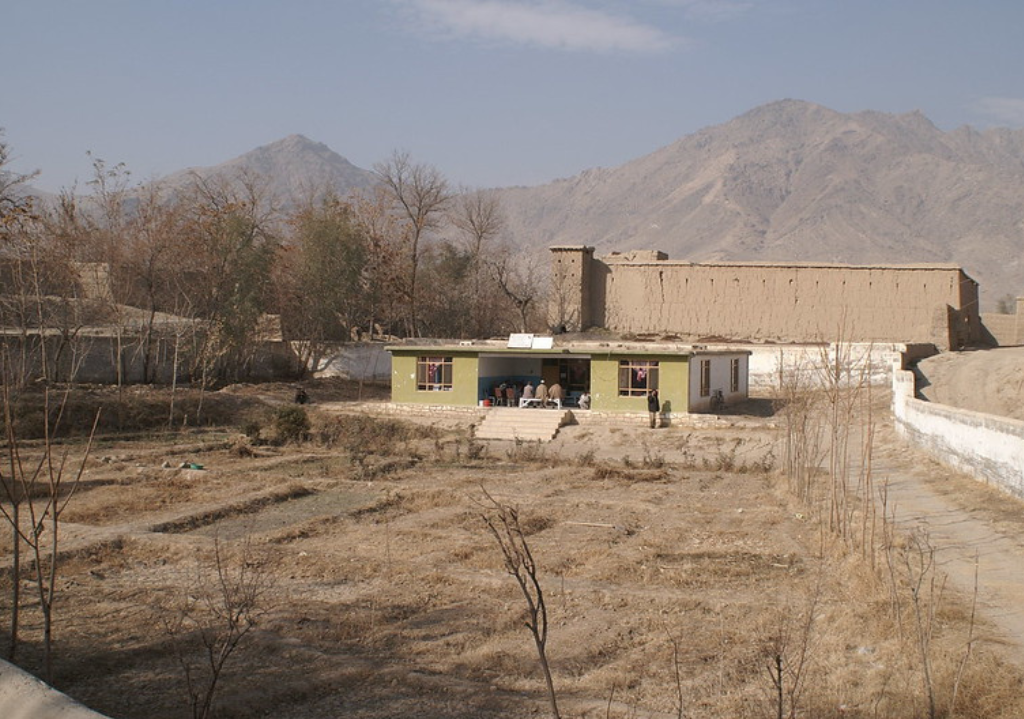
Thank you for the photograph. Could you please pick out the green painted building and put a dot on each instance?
(617, 376)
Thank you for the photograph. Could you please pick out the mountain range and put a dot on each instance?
(794, 181)
(787, 181)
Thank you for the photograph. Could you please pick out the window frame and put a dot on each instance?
(650, 376)
(443, 382)
(705, 378)
(734, 375)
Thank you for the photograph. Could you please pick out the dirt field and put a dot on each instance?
(990, 381)
(674, 564)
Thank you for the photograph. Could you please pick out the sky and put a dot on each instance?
(490, 92)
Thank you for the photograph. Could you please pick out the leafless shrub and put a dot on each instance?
(652, 459)
(357, 433)
(503, 523)
(586, 458)
(527, 452)
(787, 645)
(35, 493)
(454, 451)
(211, 617)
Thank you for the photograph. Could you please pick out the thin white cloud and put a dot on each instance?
(709, 10)
(1002, 109)
(541, 23)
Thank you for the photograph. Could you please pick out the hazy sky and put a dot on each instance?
(492, 92)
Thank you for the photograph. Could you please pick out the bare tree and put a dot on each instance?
(502, 522)
(787, 647)
(213, 615)
(36, 493)
(420, 193)
(318, 277)
(225, 273)
(479, 218)
(382, 282)
(15, 205)
(518, 278)
(146, 277)
(926, 586)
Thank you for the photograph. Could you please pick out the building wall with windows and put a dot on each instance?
(408, 384)
(611, 392)
(644, 292)
(618, 378)
(721, 375)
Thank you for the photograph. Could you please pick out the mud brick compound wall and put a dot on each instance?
(645, 292)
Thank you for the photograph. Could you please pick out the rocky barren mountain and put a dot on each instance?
(292, 168)
(788, 181)
(795, 181)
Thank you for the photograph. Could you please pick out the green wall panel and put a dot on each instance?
(464, 384)
(673, 385)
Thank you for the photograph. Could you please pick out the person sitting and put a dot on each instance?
(528, 391)
(556, 395)
(584, 400)
(542, 394)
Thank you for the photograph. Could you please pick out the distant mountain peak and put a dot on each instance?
(292, 166)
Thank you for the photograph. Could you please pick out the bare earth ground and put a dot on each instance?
(671, 561)
(990, 381)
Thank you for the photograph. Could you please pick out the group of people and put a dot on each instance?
(510, 394)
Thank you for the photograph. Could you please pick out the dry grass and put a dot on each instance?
(391, 600)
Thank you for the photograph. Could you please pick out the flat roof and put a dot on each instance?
(588, 350)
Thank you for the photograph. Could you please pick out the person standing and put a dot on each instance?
(653, 407)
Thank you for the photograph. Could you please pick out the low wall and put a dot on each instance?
(22, 696)
(766, 360)
(988, 447)
(1002, 330)
(367, 361)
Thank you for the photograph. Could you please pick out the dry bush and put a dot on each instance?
(291, 424)
(365, 434)
(142, 408)
(458, 451)
(525, 451)
(629, 476)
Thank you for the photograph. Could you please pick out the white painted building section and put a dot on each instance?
(988, 447)
(717, 375)
(766, 361)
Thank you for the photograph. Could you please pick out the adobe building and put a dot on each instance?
(643, 292)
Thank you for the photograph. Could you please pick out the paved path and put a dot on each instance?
(966, 521)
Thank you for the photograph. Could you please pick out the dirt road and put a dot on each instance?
(970, 525)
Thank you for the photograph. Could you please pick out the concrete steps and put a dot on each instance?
(526, 424)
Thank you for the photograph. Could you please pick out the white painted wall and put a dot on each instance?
(22, 696)
(721, 379)
(987, 447)
(367, 361)
(765, 361)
